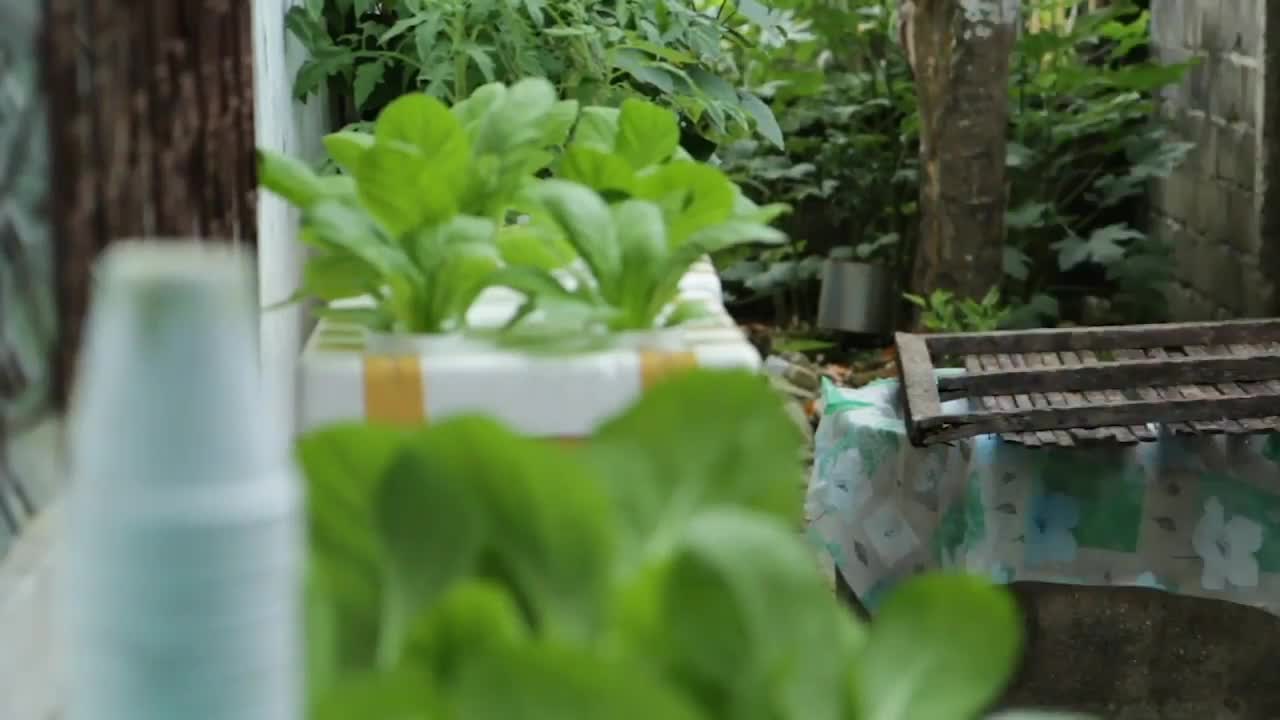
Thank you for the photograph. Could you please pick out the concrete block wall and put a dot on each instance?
(1215, 209)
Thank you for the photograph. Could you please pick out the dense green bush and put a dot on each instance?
(598, 53)
(1083, 146)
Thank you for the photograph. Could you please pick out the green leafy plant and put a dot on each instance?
(463, 571)
(638, 212)
(1084, 147)
(846, 100)
(417, 219)
(944, 312)
(598, 53)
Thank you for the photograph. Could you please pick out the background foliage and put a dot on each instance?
(598, 53)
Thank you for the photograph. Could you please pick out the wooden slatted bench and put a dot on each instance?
(1064, 387)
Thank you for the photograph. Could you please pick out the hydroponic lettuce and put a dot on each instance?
(463, 572)
(420, 218)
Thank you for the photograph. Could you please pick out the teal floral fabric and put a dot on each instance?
(1190, 515)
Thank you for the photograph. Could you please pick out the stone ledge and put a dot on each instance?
(29, 665)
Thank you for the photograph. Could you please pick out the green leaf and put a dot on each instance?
(432, 527)
(553, 544)
(343, 465)
(397, 186)
(334, 276)
(398, 695)
(294, 180)
(597, 128)
(732, 576)
(596, 169)
(474, 618)
(669, 456)
(693, 196)
(533, 246)
(647, 134)
(419, 120)
(558, 123)
(642, 236)
(347, 147)
(339, 226)
(1017, 264)
(368, 77)
(762, 114)
(542, 681)
(587, 224)
(941, 647)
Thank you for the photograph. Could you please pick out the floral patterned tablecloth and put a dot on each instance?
(1190, 515)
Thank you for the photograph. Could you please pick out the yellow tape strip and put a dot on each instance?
(393, 390)
(656, 365)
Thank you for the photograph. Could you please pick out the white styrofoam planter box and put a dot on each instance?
(346, 375)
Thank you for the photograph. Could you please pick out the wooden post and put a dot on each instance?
(151, 133)
(960, 54)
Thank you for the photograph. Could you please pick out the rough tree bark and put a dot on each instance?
(960, 55)
(151, 133)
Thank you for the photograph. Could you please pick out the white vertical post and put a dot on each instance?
(283, 125)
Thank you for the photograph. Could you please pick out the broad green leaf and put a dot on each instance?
(419, 120)
(339, 226)
(368, 77)
(558, 123)
(596, 169)
(553, 543)
(343, 465)
(693, 196)
(540, 681)
(432, 527)
(347, 147)
(399, 187)
(481, 102)
(533, 246)
(642, 236)
(514, 123)
(597, 128)
(762, 115)
(475, 617)
(669, 456)
(941, 647)
(459, 280)
(396, 695)
(294, 181)
(337, 276)
(732, 576)
(587, 224)
(647, 134)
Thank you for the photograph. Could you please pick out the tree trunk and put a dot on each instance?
(151, 133)
(960, 54)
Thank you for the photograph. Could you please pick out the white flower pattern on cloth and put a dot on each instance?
(1227, 548)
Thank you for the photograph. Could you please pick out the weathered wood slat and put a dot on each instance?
(1171, 391)
(1084, 376)
(919, 383)
(953, 427)
(973, 364)
(1146, 392)
(1032, 360)
(1114, 337)
(1271, 422)
(1225, 389)
(1066, 399)
(1139, 432)
(1093, 397)
(1006, 402)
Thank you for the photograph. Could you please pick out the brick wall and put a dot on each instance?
(1218, 209)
